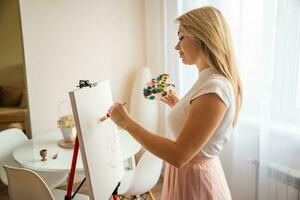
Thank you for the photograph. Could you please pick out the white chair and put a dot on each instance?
(140, 180)
(26, 184)
(10, 139)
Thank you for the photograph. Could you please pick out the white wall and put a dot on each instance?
(69, 40)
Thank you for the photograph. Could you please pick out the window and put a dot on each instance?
(266, 38)
(298, 76)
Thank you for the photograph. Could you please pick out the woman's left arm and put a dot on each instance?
(204, 116)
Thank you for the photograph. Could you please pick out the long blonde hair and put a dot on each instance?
(208, 27)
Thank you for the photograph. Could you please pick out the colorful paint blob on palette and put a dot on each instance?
(158, 87)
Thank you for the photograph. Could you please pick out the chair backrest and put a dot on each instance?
(10, 139)
(146, 174)
(26, 184)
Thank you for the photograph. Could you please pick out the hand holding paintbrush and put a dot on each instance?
(119, 115)
(108, 115)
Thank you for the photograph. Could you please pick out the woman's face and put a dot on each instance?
(188, 49)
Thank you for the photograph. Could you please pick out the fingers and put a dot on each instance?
(167, 101)
(164, 100)
(117, 106)
(109, 111)
(120, 104)
(169, 98)
(173, 94)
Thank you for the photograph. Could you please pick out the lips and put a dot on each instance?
(181, 54)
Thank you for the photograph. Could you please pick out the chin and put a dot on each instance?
(186, 62)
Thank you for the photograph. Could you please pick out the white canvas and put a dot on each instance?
(98, 141)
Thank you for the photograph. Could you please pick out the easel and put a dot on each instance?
(69, 196)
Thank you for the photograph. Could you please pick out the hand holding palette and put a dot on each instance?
(158, 87)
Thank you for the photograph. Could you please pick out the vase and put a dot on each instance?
(143, 110)
(67, 134)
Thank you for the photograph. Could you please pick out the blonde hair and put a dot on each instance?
(208, 27)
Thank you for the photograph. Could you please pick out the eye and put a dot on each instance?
(181, 37)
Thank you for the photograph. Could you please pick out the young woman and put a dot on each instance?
(203, 120)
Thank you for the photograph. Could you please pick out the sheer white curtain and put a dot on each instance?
(262, 160)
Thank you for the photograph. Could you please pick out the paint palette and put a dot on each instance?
(158, 87)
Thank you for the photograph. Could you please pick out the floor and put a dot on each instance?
(156, 190)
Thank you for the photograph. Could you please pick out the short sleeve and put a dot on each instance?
(218, 86)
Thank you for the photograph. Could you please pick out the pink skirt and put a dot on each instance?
(200, 179)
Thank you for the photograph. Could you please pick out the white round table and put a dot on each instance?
(28, 154)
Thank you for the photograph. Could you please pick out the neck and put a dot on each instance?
(201, 66)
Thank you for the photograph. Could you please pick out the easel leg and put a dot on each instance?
(72, 172)
(115, 197)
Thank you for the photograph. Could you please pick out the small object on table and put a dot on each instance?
(66, 124)
(157, 87)
(66, 144)
(54, 157)
(43, 154)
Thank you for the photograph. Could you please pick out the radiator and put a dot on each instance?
(284, 182)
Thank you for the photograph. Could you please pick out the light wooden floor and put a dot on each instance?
(156, 190)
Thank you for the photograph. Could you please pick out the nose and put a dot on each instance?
(177, 47)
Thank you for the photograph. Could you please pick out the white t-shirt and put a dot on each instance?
(208, 82)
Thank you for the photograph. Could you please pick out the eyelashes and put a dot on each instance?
(180, 38)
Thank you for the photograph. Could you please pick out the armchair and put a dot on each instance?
(13, 111)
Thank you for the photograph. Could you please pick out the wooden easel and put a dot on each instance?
(69, 196)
